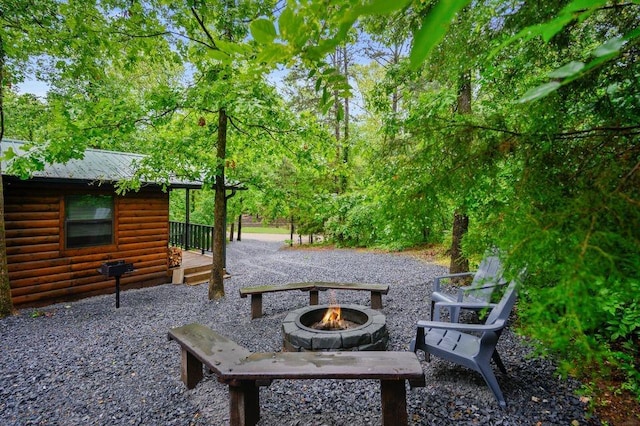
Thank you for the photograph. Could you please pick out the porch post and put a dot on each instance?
(186, 219)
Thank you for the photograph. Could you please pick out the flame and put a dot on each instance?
(332, 319)
(332, 315)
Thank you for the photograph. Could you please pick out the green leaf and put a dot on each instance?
(610, 47)
(577, 9)
(383, 7)
(551, 28)
(540, 91)
(218, 54)
(434, 27)
(232, 47)
(580, 5)
(286, 23)
(568, 70)
(9, 154)
(273, 53)
(263, 30)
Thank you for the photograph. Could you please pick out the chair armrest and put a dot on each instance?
(476, 306)
(498, 325)
(436, 280)
(476, 287)
(465, 305)
(468, 288)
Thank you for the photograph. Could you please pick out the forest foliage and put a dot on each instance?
(344, 115)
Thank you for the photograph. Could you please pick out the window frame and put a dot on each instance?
(66, 222)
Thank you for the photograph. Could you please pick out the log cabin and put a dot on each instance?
(64, 222)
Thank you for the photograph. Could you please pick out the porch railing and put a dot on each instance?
(194, 236)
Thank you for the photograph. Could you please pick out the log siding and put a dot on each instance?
(43, 271)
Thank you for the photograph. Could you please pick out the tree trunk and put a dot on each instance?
(464, 93)
(345, 144)
(459, 263)
(239, 227)
(216, 283)
(292, 229)
(6, 305)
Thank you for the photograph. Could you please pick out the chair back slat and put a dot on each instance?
(502, 310)
(489, 274)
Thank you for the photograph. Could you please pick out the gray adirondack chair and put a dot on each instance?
(485, 280)
(456, 343)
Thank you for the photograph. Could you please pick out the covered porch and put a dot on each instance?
(194, 269)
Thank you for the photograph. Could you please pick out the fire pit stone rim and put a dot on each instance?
(370, 314)
(372, 335)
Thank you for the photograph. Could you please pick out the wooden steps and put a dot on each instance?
(197, 274)
(193, 275)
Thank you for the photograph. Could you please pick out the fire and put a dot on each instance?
(332, 315)
(332, 319)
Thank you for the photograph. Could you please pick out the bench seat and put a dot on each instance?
(244, 372)
(377, 290)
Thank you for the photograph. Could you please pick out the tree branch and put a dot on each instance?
(147, 120)
(268, 131)
(625, 130)
(204, 29)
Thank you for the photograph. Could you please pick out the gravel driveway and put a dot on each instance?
(87, 363)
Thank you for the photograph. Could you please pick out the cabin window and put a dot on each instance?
(88, 220)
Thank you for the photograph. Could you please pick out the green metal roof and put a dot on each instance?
(96, 166)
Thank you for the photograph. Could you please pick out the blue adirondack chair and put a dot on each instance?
(456, 343)
(478, 293)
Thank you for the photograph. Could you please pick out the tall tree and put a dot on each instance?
(26, 31)
(459, 262)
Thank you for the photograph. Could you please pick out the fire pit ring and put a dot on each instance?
(370, 335)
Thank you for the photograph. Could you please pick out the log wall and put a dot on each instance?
(43, 271)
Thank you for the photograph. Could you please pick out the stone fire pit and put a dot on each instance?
(369, 332)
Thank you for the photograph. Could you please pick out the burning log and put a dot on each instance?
(332, 319)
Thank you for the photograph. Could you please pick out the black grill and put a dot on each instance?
(116, 269)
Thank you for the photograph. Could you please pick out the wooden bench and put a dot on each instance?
(244, 372)
(377, 290)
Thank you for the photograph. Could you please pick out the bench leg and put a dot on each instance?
(256, 306)
(394, 402)
(313, 297)
(376, 300)
(244, 404)
(190, 369)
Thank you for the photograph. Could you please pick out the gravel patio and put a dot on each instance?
(87, 363)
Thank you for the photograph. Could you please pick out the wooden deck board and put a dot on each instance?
(192, 259)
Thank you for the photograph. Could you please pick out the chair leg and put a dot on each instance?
(418, 341)
(433, 306)
(418, 344)
(498, 361)
(490, 378)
